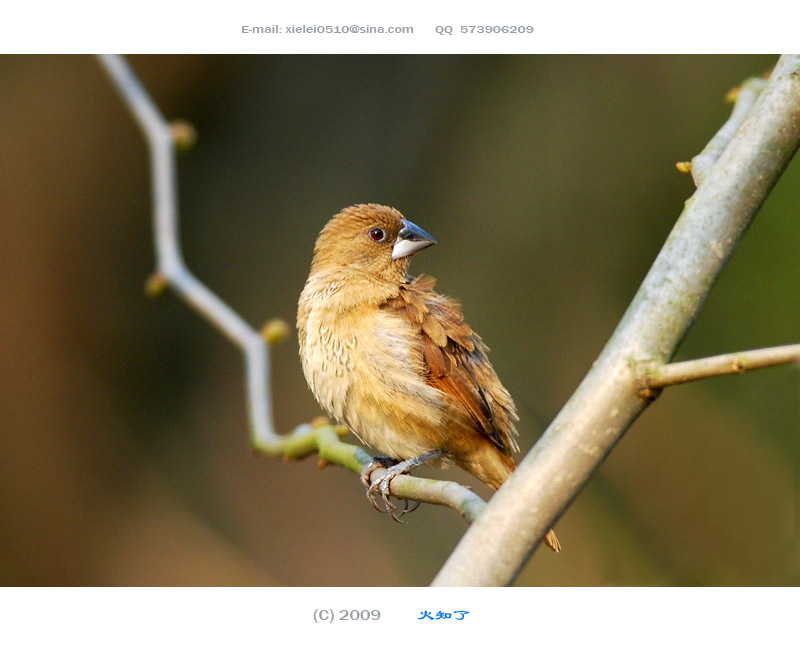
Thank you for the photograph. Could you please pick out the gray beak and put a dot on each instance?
(411, 239)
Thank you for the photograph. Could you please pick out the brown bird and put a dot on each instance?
(393, 360)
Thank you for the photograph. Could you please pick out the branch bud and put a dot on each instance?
(184, 135)
(156, 285)
(275, 332)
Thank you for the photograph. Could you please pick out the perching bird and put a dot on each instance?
(393, 360)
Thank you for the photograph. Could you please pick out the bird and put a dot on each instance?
(393, 360)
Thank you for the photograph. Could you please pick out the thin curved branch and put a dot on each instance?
(658, 375)
(172, 272)
(496, 547)
(323, 438)
(169, 261)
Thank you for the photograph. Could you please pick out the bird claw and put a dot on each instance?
(375, 463)
(381, 485)
(372, 486)
(407, 510)
(393, 468)
(372, 490)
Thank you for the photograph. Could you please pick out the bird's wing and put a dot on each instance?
(456, 360)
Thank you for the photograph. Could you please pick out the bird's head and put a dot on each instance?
(371, 238)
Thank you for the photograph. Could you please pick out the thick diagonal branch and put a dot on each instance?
(496, 547)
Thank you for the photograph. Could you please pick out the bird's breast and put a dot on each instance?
(328, 357)
(366, 369)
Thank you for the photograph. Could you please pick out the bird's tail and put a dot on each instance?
(493, 467)
(552, 540)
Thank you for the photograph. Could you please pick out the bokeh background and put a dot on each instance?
(550, 183)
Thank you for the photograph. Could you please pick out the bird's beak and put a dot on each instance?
(411, 239)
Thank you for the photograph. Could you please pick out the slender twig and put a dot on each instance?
(496, 547)
(659, 375)
(323, 438)
(173, 272)
(169, 260)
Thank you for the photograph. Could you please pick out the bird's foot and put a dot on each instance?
(375, 463)
(372, 486)
(381, 484)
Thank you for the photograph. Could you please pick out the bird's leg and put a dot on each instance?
(382, 484)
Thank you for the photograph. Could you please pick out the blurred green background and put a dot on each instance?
(550, 183)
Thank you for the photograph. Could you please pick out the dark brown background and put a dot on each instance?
(550, 184)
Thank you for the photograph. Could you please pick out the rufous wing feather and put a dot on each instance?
(456, 361)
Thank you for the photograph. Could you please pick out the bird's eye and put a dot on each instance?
(377, 234)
